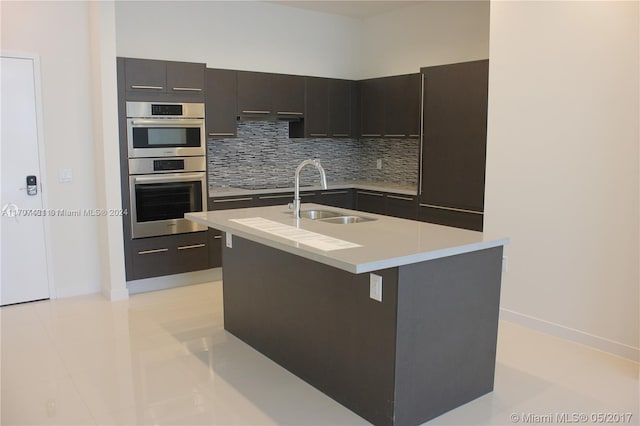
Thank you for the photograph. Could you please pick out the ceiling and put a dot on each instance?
(350, 8)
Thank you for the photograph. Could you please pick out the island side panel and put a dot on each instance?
(316, 321)
(447, 330)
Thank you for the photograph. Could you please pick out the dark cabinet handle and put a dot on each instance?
(453, 209)
(397, 197)
(233, 200)
(375, 194)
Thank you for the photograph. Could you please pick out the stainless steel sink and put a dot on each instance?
(319, 214)
(344, 220)
(329, 216)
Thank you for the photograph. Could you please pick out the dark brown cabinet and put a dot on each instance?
(390, 106)
(329, 107)
(171, 254)
(342, 108)
(154, 80)
(402, 206)
(454, 144)
(372, 108)
(266, 95)
(225, 203)
(215, 249)
(342, 198)
(220, 103)
(316, 121)
(371, 202)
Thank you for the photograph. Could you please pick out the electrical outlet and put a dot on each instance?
(379, 164)
(229, 239)
(375, 287)
(505, 264)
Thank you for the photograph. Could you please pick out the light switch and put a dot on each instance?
(229, 239)
(65, 175)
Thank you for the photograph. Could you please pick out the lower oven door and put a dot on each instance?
(159, 202)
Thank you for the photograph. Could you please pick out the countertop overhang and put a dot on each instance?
(386, 242)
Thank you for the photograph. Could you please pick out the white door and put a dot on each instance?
(23, 254)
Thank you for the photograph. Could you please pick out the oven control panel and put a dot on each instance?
(168, 165)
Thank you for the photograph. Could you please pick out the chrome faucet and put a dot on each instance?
(323, 180)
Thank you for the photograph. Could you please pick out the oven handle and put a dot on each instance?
(166, 122)
(173, 177)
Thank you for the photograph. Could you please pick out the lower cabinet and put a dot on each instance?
(170, 254)
(215, 249)
(403, 206)
(371, 202)
(342, 198)
(450, 217)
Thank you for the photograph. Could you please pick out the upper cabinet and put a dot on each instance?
(330, 107)
(220, 103)
(390, 106)
(266, 95)
(154, 80)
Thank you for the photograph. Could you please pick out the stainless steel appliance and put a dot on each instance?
(162, 190)
(163, 129)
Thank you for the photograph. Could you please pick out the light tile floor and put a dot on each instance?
(163, 358)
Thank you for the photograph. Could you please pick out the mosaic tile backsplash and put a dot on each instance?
(262, 154)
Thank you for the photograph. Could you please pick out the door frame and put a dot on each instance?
(35, 58)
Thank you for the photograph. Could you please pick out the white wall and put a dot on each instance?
(424, 34)
(59, 33)
(562, 166)
(243, 35)
(259, 36)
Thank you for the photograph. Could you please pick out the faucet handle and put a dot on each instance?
(290, 205)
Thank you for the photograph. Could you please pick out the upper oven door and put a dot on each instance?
(165, 137)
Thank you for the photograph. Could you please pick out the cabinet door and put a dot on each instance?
(372, 202)
(455, 134)
(185, 78)
(276, 199)
(316, 120)
(145, 75)
(227, 203)
(403, 206)
(340, 108)
(402, 106)
(337, 198)
(288, 95)
(448, 217)
(255, 94)
(372, 108)
(220, 103)
(192, 252)
(215, 248)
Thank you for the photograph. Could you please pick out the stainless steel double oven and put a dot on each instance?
(167, 166)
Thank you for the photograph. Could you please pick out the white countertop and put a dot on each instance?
(385, 243)
(362, 185)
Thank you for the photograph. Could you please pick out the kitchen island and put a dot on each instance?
(395, 319)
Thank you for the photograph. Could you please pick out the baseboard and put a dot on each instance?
(116, 294)
(173, 281)
(557, 330)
